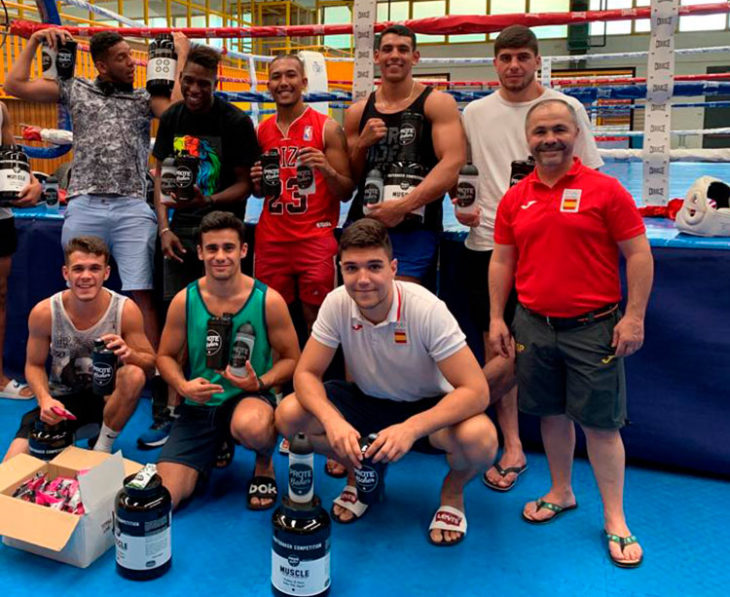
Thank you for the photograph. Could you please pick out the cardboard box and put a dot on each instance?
(69, 538)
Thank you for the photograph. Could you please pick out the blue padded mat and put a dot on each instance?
(220, 548)
(661, 232)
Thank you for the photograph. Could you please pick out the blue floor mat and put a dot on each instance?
(221, 548)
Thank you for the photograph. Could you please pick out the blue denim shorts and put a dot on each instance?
(126, 224)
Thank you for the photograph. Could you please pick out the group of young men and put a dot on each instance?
(541, 270)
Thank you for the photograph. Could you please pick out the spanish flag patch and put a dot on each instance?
(400, 337)
(570, 202)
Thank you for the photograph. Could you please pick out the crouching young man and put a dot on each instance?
(222, 407)
(65, 326)
(415, 381)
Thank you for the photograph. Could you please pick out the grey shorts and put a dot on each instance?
(126, 224)
(199, 431)
(570, 372)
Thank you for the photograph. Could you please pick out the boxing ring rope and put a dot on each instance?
(589, 94)
(447, 25)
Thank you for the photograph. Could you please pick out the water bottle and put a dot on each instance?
(168, 180)
(161, 66)
(519, 169)
(305, 178)
(242, 349)
(270, 180)
(372, 192)
(301, 469)
(218, 341)
(186, 175)
(370, 477)
(104, 369)
(467, 190)
(50, 194)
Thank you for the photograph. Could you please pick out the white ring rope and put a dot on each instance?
(618, 131)
(716, 155)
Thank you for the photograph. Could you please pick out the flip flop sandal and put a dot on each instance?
(262, 488)
(340, 475)
(348, 500)
(623, 542)
(448, 518)
(556, 508)
(224, 458)
(503, 472)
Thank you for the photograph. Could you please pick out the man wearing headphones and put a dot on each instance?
(111, 125)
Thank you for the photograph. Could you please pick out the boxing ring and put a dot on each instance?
(677, 405)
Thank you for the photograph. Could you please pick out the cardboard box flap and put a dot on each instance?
(80, 459)
(41, 526)
(105, 478)
(20, 467)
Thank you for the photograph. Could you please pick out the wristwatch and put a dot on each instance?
(262, 385)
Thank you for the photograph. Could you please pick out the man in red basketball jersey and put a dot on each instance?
(295, 242)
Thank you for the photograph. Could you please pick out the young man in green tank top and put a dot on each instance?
(219, 405)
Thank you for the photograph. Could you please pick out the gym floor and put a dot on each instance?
(220, 547)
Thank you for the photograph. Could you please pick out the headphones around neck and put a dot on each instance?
(109, 87)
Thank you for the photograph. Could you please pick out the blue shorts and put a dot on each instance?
(127, 225)
(415, 250)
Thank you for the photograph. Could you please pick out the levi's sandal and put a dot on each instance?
(447, 518)
(348, 500)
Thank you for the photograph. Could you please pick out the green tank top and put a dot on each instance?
(197, 315)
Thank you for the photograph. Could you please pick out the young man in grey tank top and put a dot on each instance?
(65, 326)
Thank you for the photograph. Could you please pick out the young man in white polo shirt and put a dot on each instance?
(415, 382)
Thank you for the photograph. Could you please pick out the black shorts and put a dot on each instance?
(8, 237)
(570, 372)
(86, 406)
(475, 276)
(371, 415)
(176, 275)
(197, 434)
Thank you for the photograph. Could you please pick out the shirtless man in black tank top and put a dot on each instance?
(372, 129)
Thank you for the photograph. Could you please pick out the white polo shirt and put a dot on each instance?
(395, 359)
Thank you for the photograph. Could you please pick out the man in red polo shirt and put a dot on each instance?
(558, 236)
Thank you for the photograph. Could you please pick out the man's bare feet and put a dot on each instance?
(335, 469)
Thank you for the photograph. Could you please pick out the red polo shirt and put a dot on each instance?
(566, 239)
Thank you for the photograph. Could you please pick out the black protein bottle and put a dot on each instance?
(300, 550)
(142, 518)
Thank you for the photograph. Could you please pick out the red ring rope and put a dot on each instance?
(461, 24)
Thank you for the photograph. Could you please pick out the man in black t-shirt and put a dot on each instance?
(223, 139)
